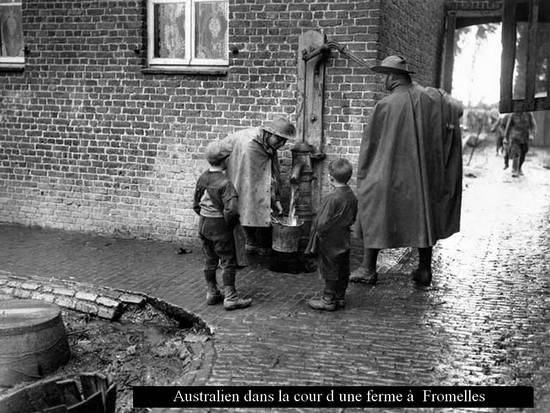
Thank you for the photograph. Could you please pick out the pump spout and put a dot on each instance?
(296, 172)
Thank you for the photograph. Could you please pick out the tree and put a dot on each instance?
(481, 33)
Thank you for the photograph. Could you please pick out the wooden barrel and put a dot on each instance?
(33, 340)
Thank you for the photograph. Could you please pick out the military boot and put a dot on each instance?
(422, 276)
(232, 300)
(362, 275)
(366, 273)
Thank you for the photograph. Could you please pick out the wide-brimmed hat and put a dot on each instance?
(216, 152)
(392, 64)
(280, 126)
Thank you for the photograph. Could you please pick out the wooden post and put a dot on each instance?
(547, 100)
(448, 52)
(508, 55)
(311, 85)
(530, 77)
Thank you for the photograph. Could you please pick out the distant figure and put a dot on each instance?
(520, 128)
(330, 237)
(498, 127)
(216, 202)
(476, 120)
(409, 178)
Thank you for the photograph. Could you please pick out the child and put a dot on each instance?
(216, 203)
(330, 237)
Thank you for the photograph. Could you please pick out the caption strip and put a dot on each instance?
(333, 396)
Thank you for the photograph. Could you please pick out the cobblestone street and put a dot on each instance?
(484, 321)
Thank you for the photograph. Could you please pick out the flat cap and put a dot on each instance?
(215, 152)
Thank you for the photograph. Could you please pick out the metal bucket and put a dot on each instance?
(286, 238)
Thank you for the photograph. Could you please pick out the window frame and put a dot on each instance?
(509, 37)
(189, 62)
(454, 20)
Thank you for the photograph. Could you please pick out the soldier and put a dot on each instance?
(520, 128)
(409, 179)
(253, 167)
(498, 127)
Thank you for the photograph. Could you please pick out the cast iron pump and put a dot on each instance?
(307, 171)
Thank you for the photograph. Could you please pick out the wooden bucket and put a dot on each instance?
(87, 392)
(33, 340)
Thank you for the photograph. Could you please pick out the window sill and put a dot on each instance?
(186, 70)
(12, 67)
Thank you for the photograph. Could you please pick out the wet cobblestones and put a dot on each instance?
(484, 321)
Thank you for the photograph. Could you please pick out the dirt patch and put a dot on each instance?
(144, 347)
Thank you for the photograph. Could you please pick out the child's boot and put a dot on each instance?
(328, 301)
(232, 301)
(341, 288)
(213, 294)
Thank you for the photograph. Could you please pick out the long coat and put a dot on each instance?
(251, 168)
(409, 178)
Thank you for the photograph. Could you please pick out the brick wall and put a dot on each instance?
(474, 4)
(90, 142)
(414, 29)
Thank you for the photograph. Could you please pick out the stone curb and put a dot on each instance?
(103, 302)
(108, 303)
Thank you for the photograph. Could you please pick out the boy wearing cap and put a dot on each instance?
(216, 202)
(330, 237)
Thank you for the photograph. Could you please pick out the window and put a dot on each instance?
(12, 50)
(525, 72)
(187, 33)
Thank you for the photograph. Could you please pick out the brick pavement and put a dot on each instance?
(484, 320)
